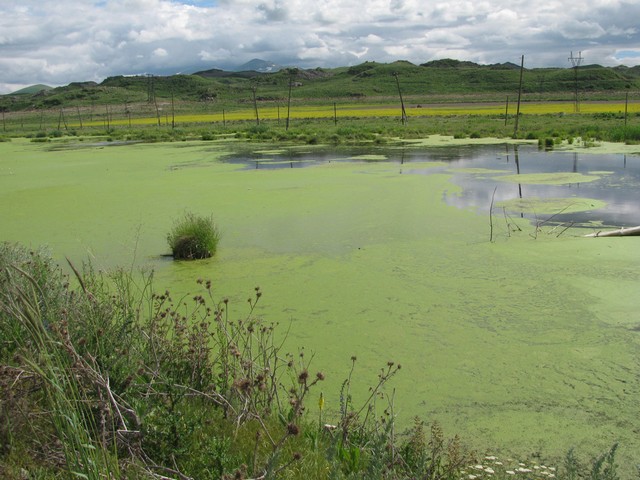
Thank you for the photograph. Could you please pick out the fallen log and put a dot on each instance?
(621, 232)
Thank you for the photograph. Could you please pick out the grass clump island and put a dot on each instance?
(193, 237)
(104, 377)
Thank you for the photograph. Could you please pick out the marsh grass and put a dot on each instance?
(32, 298)
(193, 237)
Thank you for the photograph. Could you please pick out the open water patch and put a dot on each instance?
(604, 184)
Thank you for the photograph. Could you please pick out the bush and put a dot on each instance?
(193, 237)
(547, 143)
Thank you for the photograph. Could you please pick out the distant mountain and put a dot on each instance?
(31, 90)
(257, 65)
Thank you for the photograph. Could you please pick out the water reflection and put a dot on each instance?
(477, 169)
(617, 185)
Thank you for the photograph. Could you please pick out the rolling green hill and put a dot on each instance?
(436, 81)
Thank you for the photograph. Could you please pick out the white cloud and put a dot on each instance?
(160, 52)
(67, 40)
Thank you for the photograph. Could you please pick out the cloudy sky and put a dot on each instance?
(61, 41)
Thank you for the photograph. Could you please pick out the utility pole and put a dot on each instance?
(291, 73)
(254, 87)
(404, 112)
(515, 129)
(575, 63)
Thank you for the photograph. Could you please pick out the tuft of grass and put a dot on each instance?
(193, 237)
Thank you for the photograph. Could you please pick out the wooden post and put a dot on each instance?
(79, 116)
(127, 110)
(515, 130)
(173, 111)
(506, 112)
(626, 111)
(157, 111)
(224, 120)
(255, 103)
(289, 100)
(335, 114)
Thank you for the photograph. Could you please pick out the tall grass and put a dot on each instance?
(193, 237)
(30, 304)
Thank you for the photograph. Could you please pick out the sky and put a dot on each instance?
(56, 42)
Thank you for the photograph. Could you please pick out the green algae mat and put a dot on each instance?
(524, 346)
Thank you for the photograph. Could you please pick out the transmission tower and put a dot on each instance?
(575, 63)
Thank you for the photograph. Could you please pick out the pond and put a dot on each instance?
(519, 178)
(526, 345)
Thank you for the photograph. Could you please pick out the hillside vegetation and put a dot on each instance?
(435, 81)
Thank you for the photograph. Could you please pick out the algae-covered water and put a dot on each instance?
(527, 345)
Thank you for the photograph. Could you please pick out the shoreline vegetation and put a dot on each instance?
(104, 377)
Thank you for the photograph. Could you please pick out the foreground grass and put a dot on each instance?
(111, 379)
